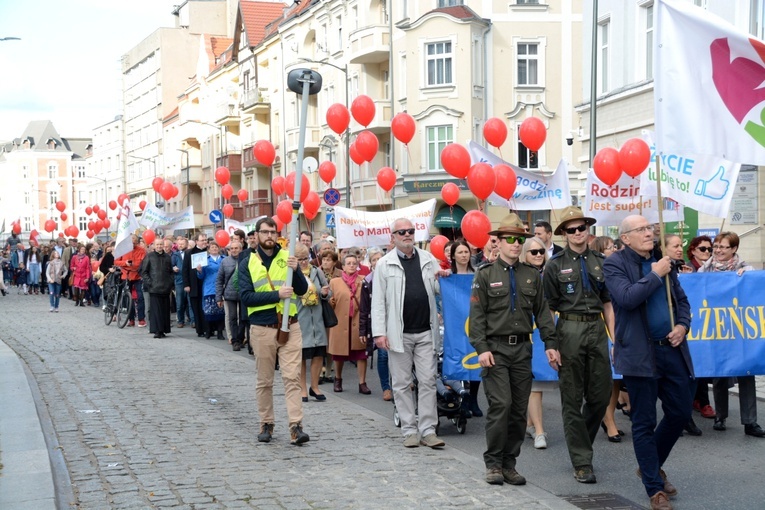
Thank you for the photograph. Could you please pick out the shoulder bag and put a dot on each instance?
(327, 312)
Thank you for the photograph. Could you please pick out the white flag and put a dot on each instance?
(125, 228)
(708, 88)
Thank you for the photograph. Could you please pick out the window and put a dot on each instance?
(52, 197)
(528, 58)
(81, 171)
(82, 223)
(438, 137)
(24, 171)
(450, 3)
(603, 78)
(527, 158)
(527, 2)
(402, 76)
(27, 224)
(27, 198)
(339, 23)
(386, 147)
(439, 63)
(52, 170)
(649, 42)
(354, 87)
(82, 197)
(386, 84)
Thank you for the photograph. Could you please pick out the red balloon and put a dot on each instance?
(227, 191)
(606, 165)
(16, 228)
(102, 214)
(367, 145)
(450, 193)
(403, 127)
(91, 225)
(634, 156)
(264, 152)
(481, 180)
(120, 200)
(437, 245)
(107, 223)
(310, 215)
(156, 183)
(149, 236)
(476, 227)
(363, 110)
(242, 195)
(279, 223)
(355, 154)
(61, 206)
(222, 175)
(495, 131)
(99, 225)
(277, 184)
(327, 171)
(506, 181)
(386, 178)
(63, 217)
(289, 186)
(175, 191)
(142, 204)
(284, 210)
(532, 133)
(222, 237)
(338, 118)
(61, 234)
(166, 190)
(456, 160)
(88, 210)
(90, 234)
(74, 231)
(95, 265)
(311, 205)
(50, 226)
(228, 210)
(96, 208)
(112, 205)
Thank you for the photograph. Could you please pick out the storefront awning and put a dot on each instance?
(449, 217)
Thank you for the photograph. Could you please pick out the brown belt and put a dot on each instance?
(278, 325)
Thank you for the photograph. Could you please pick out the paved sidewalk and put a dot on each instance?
(171, 423)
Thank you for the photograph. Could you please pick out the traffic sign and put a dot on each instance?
(330, 216)
(332, 197)
(216, 216)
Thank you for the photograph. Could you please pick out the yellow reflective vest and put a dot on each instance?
(278, 274)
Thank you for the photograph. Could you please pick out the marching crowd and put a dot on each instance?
(344, 304)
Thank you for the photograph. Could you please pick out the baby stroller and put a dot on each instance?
(452, 400)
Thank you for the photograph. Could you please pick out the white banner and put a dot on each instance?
(126, 225)
(533, 192)
(363, 228)
(708, 93)
(155, 218)
(609, 205)
(705, 183)
(232, 225)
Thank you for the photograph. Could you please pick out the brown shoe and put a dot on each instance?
(494, 476)
(338, 385)
(669, 489)
(660, 501)
(513, 477)
(364, 389)
(387, 395)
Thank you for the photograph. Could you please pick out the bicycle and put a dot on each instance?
(120, 303)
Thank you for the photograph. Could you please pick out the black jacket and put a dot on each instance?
(157, 273)
(190, 274)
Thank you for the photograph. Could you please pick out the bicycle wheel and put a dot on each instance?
(110, 307)
(124, 307)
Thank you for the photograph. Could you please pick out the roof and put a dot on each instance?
(257, 15)
(39, 132)
(458, 11)
(294, 11)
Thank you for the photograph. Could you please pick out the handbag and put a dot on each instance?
(328, 314)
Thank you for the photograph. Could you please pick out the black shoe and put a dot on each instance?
(754, 430)
(266, 430)
(692, 428)
(236, 346)
(474, 409)
(719, 424)
(584, 474)
(297, 436)
(613, 439)
(207, 335)
(157, 335)
(305, 399)
(318, 396)
(220, 335)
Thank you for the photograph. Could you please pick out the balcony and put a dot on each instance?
(312, 138)
(191, 175)
(232, 161)
(381, 122)
(369, 45)
(256, 101)
(227, 114)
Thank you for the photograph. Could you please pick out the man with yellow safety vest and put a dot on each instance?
(262, 277)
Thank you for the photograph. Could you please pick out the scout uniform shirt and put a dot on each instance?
(574, 283)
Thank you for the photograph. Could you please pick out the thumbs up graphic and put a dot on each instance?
(715, 188)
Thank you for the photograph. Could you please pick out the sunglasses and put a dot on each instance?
(537, 252)
(574, 230)
(704, 249)
(404, 231)
(514, 239)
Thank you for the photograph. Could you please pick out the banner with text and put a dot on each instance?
(233, 225)
(534, 192)
(155, 218)
(609, 205)
(705, 183)
(363, 228)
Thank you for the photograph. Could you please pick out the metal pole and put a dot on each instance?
(347, 146)
(593, 79)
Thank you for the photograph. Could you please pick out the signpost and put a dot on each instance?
(216, 216)
(332, 196)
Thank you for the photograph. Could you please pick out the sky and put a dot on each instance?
(66, 67)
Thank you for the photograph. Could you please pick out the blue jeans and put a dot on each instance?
(95, 293)
(183, 305)
(55, 294)
(382, 368)
(673, 385)
(34, 274)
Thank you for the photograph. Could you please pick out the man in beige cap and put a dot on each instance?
(575, 288)
(506, 295)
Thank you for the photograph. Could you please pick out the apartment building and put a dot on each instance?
(104, 165)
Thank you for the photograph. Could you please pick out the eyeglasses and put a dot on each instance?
(537, 252)
(704, 249)
(268, 232)
(404, 231)
(639, 230)
(514, 239)
(721, 247)
(574, 230)
(303, 259)
(609, 248)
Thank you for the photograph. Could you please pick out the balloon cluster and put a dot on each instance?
(632, 159)
(166, 189)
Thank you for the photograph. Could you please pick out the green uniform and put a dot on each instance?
(585, 372)
(502, 325)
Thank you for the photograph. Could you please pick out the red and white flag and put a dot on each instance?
(709, 86)
(34, 238)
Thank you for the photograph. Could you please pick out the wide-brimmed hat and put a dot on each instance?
(570, 214)
(510, 225)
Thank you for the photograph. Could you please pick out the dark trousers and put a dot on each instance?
(747, 398)
(183, 305)
(673, 385)
(159, 313)
(199, 316)
(507, 385)
(139, 308)
(702, 390)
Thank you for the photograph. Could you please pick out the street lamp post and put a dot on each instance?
(188, 177)
(344, 70)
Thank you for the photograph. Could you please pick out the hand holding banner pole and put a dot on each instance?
(661, 240)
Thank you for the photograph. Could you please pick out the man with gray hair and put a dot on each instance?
(405, 322)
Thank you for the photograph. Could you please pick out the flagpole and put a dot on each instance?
(662, 241)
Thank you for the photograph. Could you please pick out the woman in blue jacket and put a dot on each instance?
(213, 310)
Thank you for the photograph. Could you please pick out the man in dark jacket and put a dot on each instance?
(651, 351)
(191, 284)
(158, 280)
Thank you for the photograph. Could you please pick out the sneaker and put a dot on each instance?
(55, 310)
(141, 324)
(669, 489)
(707, 412)
(584, 474)
(297, 436)
(494, 476)
(432, 441)
(660, 501)
(131, 324)
(266, 430)
(52, 309)
(531, 432)
(411, 441)
(540, 442)
(512, 477)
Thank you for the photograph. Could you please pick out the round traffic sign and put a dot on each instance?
(332, 196)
